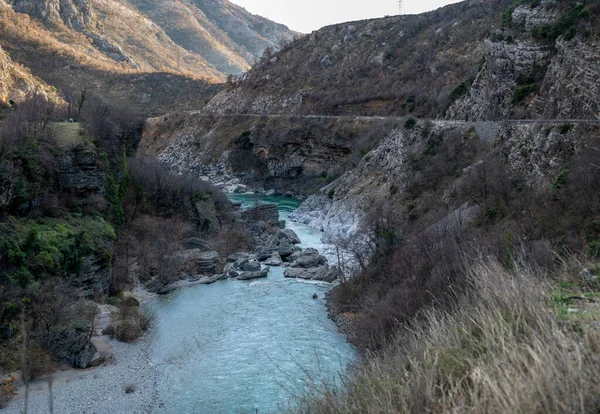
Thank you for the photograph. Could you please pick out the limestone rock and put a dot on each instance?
(289, 235)
(322, 273)
(253, 275)
(274, 260)
(285, 248)
(264, 212)
(71, 346)
(309, 258)
(196, 261)
(79, 172)
(250, 266)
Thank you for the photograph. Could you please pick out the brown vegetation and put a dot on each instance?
(497, 349)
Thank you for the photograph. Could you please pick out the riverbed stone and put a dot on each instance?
(253, 275)
(289, 235)
(322, 273)
(251, 266)
(285, 248)
(309, 258)
(274, 260)
(234, 257)
(264, 212)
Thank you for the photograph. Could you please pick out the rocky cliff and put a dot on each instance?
(285, 153)
(524, 77)
(423, 171)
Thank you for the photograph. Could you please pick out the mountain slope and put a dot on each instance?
(395, 65)
(112, 46)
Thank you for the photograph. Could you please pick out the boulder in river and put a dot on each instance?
(264, 212)
(250, 266)
(274, 260)
(253, 275)
(309, 258)
(285, 248)
(322, 273)
(289, 235)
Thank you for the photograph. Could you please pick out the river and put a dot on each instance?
(246, 346)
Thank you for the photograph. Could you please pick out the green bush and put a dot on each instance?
(410, 123)
(51, 246)
(567, 25)
(560, 180)
(458, 91)
(523, 92)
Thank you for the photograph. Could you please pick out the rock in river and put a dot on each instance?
(253, 275)
(309, 258)
(322, 273)
(274, 260)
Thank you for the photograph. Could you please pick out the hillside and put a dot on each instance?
(112, 47)
(395, 65)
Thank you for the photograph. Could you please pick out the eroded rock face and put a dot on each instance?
(71, 346)
(198, 262)
(80, 173)
(94, 276)
(492, 95)
(73, 13)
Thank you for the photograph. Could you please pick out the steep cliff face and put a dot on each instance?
(284, 153)
(526, 75)
(76, 14)
(423, 173)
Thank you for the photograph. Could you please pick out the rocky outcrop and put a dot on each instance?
(94, 276)
(262, 213)
(492, 96)
(523, 78)
(319, 273)
(71, 346)
(198, 262)
(76, 14)
(79, 171)
(258, 274)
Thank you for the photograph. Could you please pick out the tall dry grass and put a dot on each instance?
(500, 350)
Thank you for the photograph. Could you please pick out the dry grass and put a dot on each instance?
(8, 388)
(501, 350)
(68, 134)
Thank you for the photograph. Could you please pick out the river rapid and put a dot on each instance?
(246, 346)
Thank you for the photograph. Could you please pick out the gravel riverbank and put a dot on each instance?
(99, 390)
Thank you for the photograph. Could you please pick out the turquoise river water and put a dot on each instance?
(246, 346)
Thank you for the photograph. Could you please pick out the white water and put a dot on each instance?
(246, 346)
